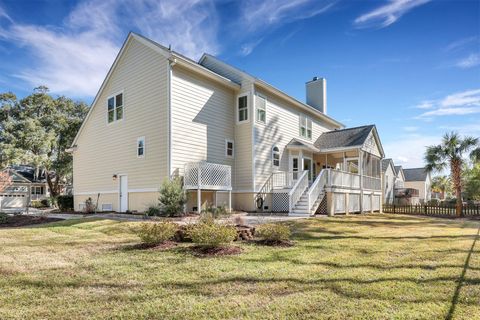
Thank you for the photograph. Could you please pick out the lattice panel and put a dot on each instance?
(322, 208)
(205, 175)
(280, 202)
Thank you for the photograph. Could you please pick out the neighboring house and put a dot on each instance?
(400, 177)
(402, 193)
(235, 140)
(389, 178)
(418, 178)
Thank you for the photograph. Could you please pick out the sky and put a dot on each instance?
(411, 67)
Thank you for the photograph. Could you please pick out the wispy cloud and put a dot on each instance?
(387, 14)
(410, 128)
(470, 61)
(461, 103)
(428, 104)
(74, 58)
(459, 44)
(410, 154)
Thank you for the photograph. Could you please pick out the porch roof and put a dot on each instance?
(345, 138)
(296, 144)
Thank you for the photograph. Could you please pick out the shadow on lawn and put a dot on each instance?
(462, 279)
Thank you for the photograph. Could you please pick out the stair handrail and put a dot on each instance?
(317, 187)
(297, 190)
(266, 188)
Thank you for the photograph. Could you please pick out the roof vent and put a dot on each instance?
(317, 94)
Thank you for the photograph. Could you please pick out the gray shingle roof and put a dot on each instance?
(415, 174)
(344, 138)
(385, 163)
(397, 168)
(297, 143)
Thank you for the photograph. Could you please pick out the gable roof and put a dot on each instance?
(297, 144)
(386, 163)
(347, 138)
(415, 174)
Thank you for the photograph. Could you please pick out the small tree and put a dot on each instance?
(172, 197)
(451, 153)
(442, 185)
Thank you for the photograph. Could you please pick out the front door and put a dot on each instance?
(123, 194)
(307, 165)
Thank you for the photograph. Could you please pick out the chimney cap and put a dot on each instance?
(315, 78)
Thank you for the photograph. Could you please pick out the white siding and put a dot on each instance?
(202, 118)
(106, 149)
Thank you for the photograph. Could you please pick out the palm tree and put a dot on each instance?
(441, 184)
(451, 152)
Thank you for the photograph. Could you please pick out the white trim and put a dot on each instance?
(169, 115)
(226, 148)
(114, 96)
(143, 190)
(119, 189)
(273, 156)
(142, 138)
(256, 108)
(87, 193)
(307, 119)
(247, 95)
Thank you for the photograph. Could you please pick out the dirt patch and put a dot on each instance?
(201, 251)
(21, 220)
(145, 246)
(270, 243)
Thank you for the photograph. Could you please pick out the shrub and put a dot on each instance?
(153, 211)
(172, 197)
(273, 232)
(36, 204)
(45, 202)
(216, 212)
(433, 202)
(156, 232)
(211, 234)
(65, 202)
(3, 217)
(89, 206)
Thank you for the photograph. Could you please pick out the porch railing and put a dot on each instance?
(206, 175)
(297, 190)
(372, 183)
(317, 188)
(344, 179)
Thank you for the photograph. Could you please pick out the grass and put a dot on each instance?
(355, 267)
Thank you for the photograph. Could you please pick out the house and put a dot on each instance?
(418, 178)
(400, 178)
(235, 140)
(389, 179)
(26, 185)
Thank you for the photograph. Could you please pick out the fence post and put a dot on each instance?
(425, 209)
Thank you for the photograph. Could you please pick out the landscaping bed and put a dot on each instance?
(25, 220)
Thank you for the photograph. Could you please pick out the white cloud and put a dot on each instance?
(467, 129)
(461, 103)
(429, 104)
(470, 61)
(75, 57)
(410, 128)
(247, 48)
(409, 152)
(387, 14)
(459, 44)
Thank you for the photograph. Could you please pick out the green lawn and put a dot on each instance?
(355, 267)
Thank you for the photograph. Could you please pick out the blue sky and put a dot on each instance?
(412, 67)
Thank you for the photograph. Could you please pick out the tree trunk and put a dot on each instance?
(53, 187)
(456, 169)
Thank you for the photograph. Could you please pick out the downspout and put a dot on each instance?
(171, 62)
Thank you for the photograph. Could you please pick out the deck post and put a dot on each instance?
(215, 198)
(347, 203)
(229, 200)
(360, 165)
(199, 200)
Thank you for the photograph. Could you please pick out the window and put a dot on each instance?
(305, 127)
(276, 156)
(115, 108)
(229, 148)
(243, 108)
(37, 190)
(261, 105)
(141, 147)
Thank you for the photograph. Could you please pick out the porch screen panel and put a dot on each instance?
(339, 200)
(354, 203)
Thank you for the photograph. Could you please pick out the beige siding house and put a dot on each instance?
(419, 179)
(235, 140)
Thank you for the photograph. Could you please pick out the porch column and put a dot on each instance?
(186, 202)
(215, 198)
(229, 200)
(360, 165)
(371, 202)
(347, 203)
(199, 200)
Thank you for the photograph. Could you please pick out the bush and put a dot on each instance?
(433, 202)
(156, 232)
(36, 204)
(3, 217)
(211, 234)
(216, 212)
(273, 232)
(172, 197)
(45, 202)
(153, 211)
(89, 206)
(65, 202)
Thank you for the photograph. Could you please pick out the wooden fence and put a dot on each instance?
(433, 210)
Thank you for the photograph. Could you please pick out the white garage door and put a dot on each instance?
(13, 201)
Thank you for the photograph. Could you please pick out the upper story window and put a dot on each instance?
(261, 105)
(115, 108)
(141, 147)
(229, 148)
(243, 108)
(305, 127)
(276, 156)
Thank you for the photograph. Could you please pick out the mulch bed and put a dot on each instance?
(160, 247)
(203, 252)
(21, 220)
(286, 243)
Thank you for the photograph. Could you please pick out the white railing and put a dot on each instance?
(282, 179)
(317, 188)
(344, 179)
(206, 175)
(297, 190)
(372, 183)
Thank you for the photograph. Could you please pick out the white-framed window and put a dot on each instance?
(141, 147)
(261, 107)
(229, 148)
(305, 127)
(115, 107)
(242, 105)
(276, 156)
(37, 190)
